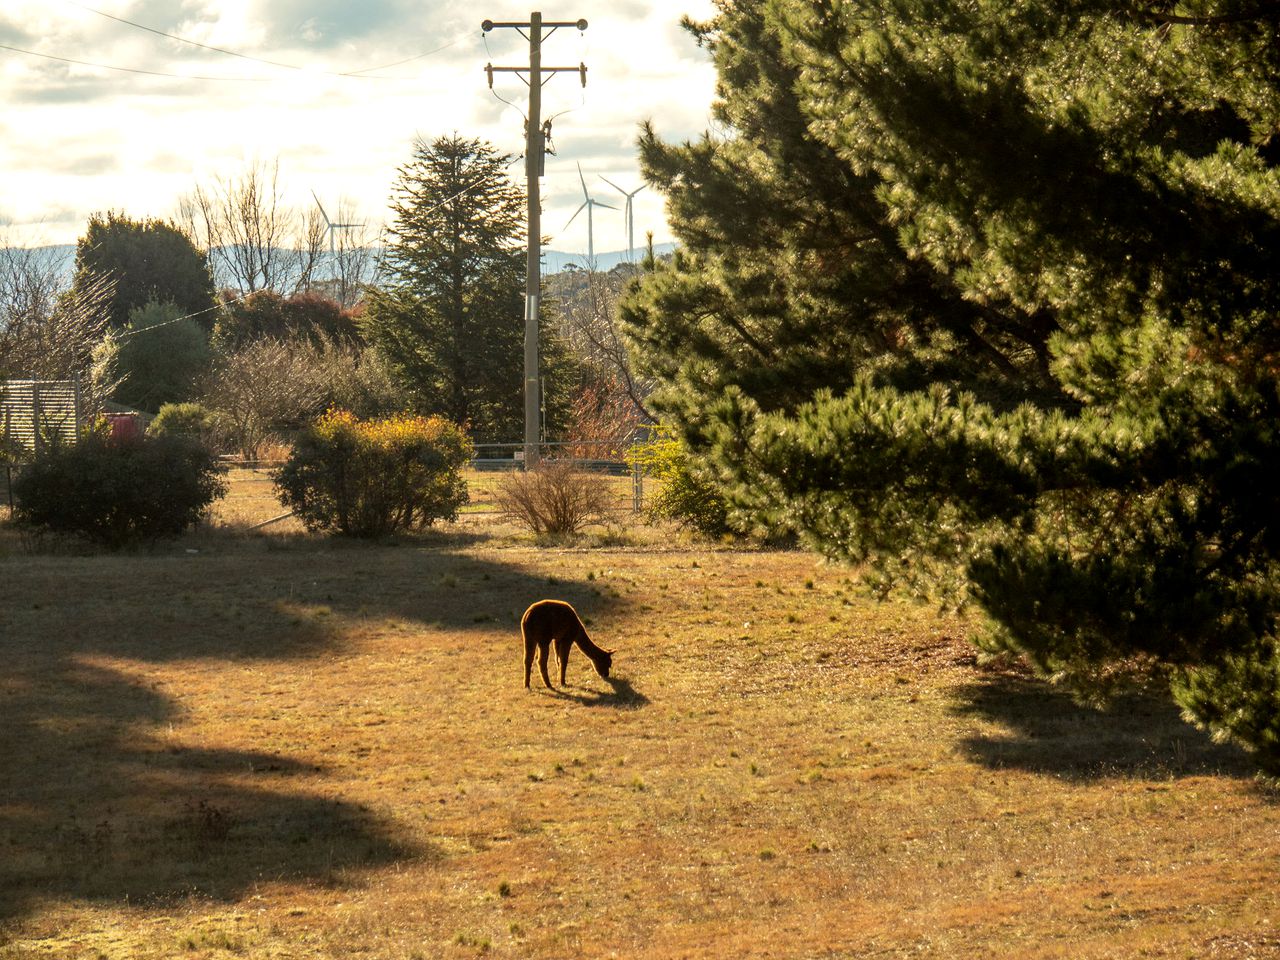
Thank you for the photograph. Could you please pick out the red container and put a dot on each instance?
(124, 426)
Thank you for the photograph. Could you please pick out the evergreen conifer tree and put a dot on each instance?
(987, 295)
(449, 320)
(149, 261)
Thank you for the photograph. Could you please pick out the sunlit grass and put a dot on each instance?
(276, 746)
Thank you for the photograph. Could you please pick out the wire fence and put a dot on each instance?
(252, 498)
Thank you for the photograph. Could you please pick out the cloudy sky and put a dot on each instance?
(77, 139)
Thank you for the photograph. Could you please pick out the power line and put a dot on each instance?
(495, 93)
(399, 63)
(190, 316)
(357, 74)
(147, 73)
(194, 43)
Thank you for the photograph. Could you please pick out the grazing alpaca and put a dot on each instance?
(556, 620)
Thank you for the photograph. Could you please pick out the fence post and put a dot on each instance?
(637, 488)
(76, 410)
(35, 417)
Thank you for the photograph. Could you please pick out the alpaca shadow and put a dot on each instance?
(621, 695)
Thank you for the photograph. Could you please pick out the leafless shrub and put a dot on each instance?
(603, 421)
(553, 499)
(260, 389)
(355, 378)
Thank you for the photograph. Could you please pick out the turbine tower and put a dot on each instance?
(628, 217)
(590, 203)
(329, 227)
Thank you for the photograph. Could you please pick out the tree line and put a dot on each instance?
(429, 323)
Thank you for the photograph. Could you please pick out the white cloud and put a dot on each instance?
(81, 139)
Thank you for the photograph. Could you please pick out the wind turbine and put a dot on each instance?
(628, 217)
(590, 203)
(329, 227)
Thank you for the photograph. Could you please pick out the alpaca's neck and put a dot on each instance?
(588, 646)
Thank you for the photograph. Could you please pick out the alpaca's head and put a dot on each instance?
(603, 664)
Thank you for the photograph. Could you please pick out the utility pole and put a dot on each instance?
(536, 136)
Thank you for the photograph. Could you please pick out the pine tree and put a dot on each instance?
(450, 320)
(987, 295)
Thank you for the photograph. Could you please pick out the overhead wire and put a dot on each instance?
(584, 54)
(148, 73)
(399, 63)
(489, 54)
(364, 73)
(189, 316)
(194, 43)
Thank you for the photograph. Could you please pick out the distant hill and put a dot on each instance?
(554, 261)
(62, 256)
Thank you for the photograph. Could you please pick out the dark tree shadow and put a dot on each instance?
(99, 808)
(1136, 735)
(96, 803)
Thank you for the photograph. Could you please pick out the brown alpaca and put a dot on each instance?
(556, 620)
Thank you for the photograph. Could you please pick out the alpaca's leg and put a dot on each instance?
(544, 651)
(563, 646)
(529, 644)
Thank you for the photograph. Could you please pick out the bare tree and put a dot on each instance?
(351, 262)
(587, 304)
(255, 241)
(49, 331)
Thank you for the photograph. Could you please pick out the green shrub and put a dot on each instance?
(118, 492)
(191, 420)
(684, 495)
(553, 499)
(372, 478)
(161, 355)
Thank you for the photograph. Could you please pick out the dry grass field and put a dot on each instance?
(272, 746)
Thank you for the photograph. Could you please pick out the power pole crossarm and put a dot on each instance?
(535, 147)
(554, 25)
(580, 69)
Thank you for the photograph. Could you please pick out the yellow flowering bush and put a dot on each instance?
(684, 495)
(371, 478)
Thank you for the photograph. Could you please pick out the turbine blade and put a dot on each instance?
(612, 184)
(324, 215)
(575, 215)
(584, 182)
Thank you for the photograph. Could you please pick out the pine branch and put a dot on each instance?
(1267, 11)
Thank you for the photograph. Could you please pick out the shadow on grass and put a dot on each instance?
(98, 807)
(621, 695)
(1135, 736)
(100, 802)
